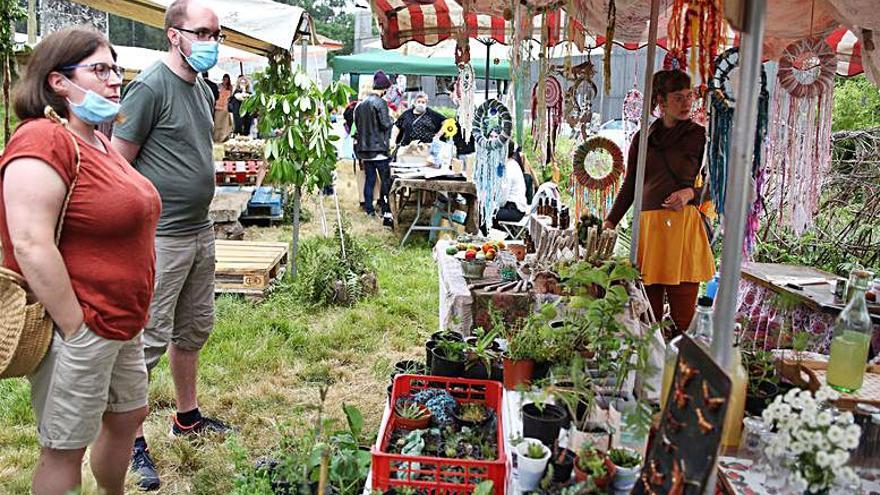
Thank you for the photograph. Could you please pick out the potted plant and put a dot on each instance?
(448, 358)
(592, 464)
(763, 383)
(412, 415)
(627, 464)
(525, 345)
(436, 337)
(543, 420)
(409, 367)
(482, 354)
(563, 463)
(471, 414)
(531, 462)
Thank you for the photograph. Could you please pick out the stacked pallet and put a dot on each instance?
(248, 268)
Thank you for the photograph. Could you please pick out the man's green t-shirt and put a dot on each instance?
(172, 120)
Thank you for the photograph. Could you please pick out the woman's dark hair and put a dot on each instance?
(60, 49)
(669, 81)
(515, 152)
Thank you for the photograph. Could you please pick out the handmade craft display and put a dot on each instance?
(609, 36)
(799, 153)
(579, 96)
(683, 450)
(700, 25)
(552, 112)
(632, 112)
(675, 60)
(722, 102)
(492, 127)
(597, 169)
(463, 97)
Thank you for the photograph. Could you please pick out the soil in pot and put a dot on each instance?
(541, 370)
(517, 373)
(756, 403)
(563, 463)
(543, 424)
(440, 366)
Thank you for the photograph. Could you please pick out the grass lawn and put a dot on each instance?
(255, 371)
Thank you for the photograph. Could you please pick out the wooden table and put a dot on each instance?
(401, 194)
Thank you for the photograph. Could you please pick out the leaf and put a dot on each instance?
(355, 419)
(624, 271)
(285, 105)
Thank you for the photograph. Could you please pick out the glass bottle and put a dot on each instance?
(700, 331)
(736, 407)
(852, 338)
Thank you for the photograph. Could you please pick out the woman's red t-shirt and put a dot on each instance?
(107, 240)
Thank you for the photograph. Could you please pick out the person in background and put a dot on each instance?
(91, 387)
(242, 123)
(419, 123)
(222, 126)
(372, 146)
(211, 84)
(513, 188)
(167, 137)
(674, 254)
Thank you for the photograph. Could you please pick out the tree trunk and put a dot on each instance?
(297, 199)
(6, 76)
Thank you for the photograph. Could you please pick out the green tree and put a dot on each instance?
(856, 104)
(296, 113)
(10, 13)
(331, 20)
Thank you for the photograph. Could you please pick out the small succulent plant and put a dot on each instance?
(412, 410)
(535, 451)
(473, 412)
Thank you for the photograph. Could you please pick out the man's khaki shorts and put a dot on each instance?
(182, 310)
(81, 378)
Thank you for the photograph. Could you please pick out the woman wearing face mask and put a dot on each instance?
(242, 123)
(97, 281)
(221, 110)
(419, 123)
(674, 253)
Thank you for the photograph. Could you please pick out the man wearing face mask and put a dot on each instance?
(167, 138)
(418, 123)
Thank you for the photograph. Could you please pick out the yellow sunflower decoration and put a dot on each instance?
(450, 129)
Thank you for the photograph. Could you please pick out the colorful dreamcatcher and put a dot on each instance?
(597, 170)
(463, 97)
(632, 112)
(800, 138)
(492, 128)
(553, 106)
(579, 96)
(722, 103)
(699, 24)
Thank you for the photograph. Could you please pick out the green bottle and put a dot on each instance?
(852, 338)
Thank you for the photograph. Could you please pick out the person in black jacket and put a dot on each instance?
(372, 146)
(241, 123)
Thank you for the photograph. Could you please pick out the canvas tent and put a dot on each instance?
(393, 62)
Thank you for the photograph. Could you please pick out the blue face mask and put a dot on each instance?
(94, 108)
(203, 54)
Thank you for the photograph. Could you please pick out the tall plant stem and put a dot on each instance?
(297, 201)
(7, 75)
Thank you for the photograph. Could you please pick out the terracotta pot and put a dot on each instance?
(517, 373)
(413, 424)
(518, 250)
(601, 483)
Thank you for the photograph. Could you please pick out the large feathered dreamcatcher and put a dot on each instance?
(492, 128)
(799, 152)
(553, 117)
(597, 171)
(578, 104)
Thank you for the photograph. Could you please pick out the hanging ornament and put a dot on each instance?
(632, 114)
(552, 108)
(609, 39)
(492, 128)
(800, 138)
(463, 97)
(675, 60)
(699, 113)
(579, 96)
(597, 169)
(722, 103)
(700, 25)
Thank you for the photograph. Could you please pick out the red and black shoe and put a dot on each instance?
(204, 425)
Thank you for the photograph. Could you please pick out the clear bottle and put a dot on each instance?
(700, 331)
(852, 338)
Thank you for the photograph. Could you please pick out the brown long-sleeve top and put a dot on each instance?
(673, 162)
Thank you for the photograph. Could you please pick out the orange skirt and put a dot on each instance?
(673, 247)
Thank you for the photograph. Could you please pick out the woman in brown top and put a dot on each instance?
(222, 123)
(674, 253)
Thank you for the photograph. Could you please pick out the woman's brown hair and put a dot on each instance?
(669, 81)
(60, 49)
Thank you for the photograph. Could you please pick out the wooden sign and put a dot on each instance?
(685, 447)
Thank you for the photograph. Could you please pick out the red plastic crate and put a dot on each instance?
(447, 476)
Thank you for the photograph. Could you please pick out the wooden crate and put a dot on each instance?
(245, 267)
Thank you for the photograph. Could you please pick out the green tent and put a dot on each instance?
(393, 62)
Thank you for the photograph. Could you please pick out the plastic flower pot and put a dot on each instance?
(497, 372)
(409, 367)
(447, 335)
(756, 403)
(625, 478)
(429, 355)
(543, 424)
(541, 370)
(476, 370)
(517, 372)
(456, 413)
(472, 341)
(563, 463)
(440, 366)
(530, 470)
(414, 424)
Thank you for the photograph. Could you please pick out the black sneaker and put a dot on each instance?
(205, 425)
(144, 467)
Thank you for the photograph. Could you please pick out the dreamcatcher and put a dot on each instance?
(597, 170)
(632, 112)
(579, 96)
(675, 60)
(553, 112)
(492, 127)
(700, 24)
(800, 138)
(463, 97)
(723, 103)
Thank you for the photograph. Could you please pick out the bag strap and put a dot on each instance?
(53, 116)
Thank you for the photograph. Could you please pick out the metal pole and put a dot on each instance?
(303, 64)
(741, 157)
(32, 22)
(643, 134)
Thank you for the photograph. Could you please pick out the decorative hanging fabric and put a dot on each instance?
(632, 113)
(799, 152)
(597, 169)
(552, 111)
(699, 24)
(492, 128)
(675, 60)
(520, 68)
(463, 97)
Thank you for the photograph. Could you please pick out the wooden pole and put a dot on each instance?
(32, 22)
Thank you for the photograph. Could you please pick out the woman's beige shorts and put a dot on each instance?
(81, 378)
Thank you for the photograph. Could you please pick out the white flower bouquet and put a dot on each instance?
(815, 437)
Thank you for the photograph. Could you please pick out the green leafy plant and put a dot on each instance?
(535, 451)
(625, 458)
(295, 112)
(11, 11)
(528, 340)
(590, 461)
(473, 412)
(761, 367)
(482, 350)
(451, 350)
(412, 410)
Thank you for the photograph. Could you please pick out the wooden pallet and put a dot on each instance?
(245, 267)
